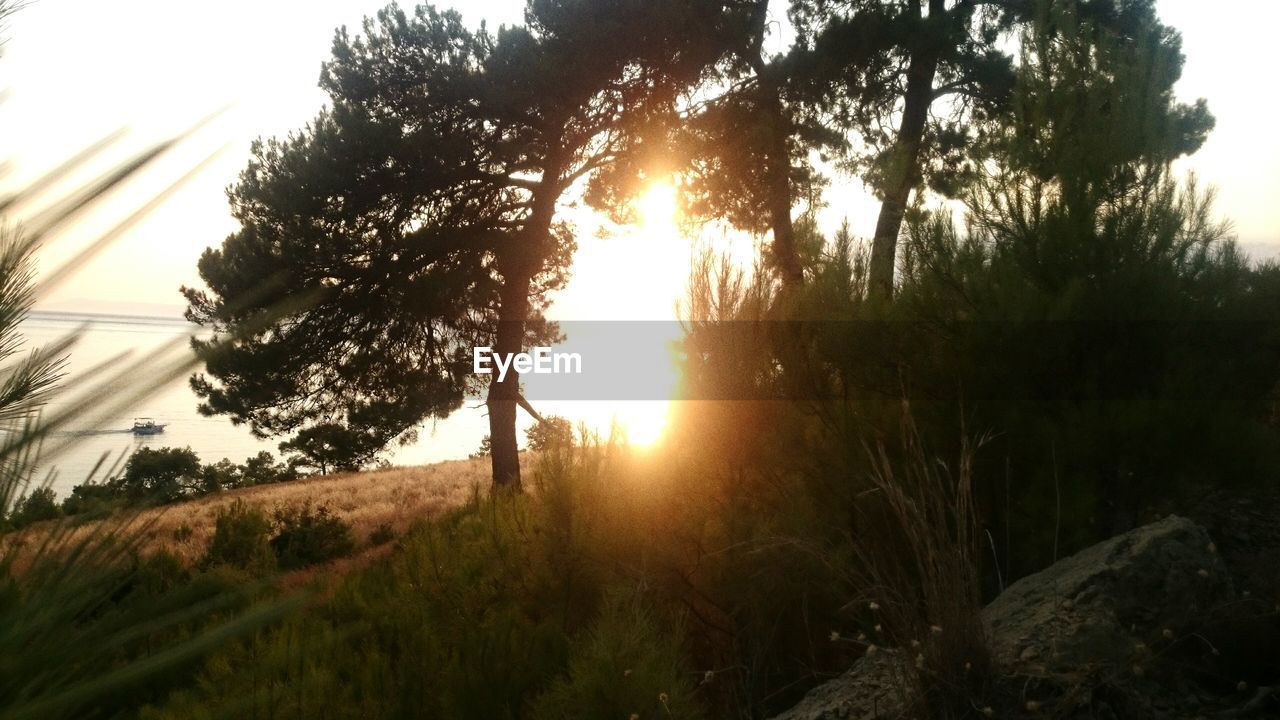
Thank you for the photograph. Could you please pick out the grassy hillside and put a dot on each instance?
(394, 497)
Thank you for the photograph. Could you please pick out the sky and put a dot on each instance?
(75, 70)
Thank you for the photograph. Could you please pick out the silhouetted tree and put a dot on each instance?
(740, 143)
(932, 67)
(162, 475)
(418, 215)
(331, 447)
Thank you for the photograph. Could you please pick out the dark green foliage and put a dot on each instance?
(162, 475)
(166, 475)
(91, 500)
(218, 476)
(625, 665)
(240, 539)
(35, 507)
(262, 469)
(549, 433)
(617, 586)
(307, 536)
(330, 447)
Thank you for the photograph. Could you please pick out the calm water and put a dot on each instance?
(105, 336)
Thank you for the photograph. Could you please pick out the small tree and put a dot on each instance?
(331, 447)
(35, 507)
(240, 539)
(163, 475)
(551, 432)
(262, 469)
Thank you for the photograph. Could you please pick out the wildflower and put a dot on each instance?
(1202, 573)
(1032, 705)
(877, 628)
(662, 698)
(862, 637)
(968, 666)
(708, 676)
(915, 643)
(935, 629)
(871, 650)
(988, 711)
(874, 606)
(1167, 633)
(835, 635)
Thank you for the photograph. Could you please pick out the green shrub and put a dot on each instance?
(240, 539)
(162, 475)
(91, 500)
(219, 476)
(161, 572)
(625, 665)
(36, 507)
(306, 536)
(262, 469)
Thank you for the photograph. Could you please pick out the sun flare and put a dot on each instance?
(657, 208)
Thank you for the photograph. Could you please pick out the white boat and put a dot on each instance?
(146, 426)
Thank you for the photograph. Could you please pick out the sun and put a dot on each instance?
(657, 208)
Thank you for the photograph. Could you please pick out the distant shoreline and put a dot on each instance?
(67, 315)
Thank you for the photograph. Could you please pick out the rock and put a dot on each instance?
(1096, 611)
(1150, 583)
(870, 690)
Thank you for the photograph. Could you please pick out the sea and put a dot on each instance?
(113, 355)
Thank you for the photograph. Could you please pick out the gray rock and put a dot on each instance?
(870, 690)
(1094, 608)
(1100, 608)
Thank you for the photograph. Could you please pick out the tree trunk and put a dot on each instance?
(904, 172)
(777, 160)
(520, 264)
(504, 393)
(780, 200)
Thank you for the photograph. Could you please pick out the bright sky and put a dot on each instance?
(77, 69)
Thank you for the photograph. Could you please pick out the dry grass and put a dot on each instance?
(395, 496)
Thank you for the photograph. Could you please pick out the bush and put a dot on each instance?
(35, 507)
(219, 476)
(240, 539)
(306, 536)
(485, 449)
(161, 475)
(91, 500)
(333, 447)
(262, 469)
(550, 432)
(626, 665)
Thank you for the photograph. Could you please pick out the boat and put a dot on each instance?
(146, 426)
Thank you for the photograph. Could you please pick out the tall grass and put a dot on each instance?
(83, 632)
(917, 548)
